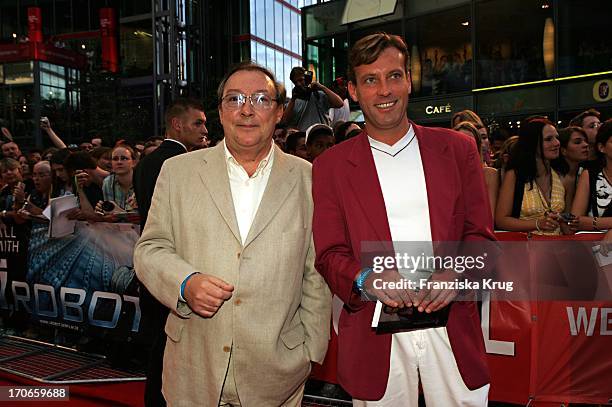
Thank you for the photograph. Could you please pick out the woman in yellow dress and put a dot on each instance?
(532, 196)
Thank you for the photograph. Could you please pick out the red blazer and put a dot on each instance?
(349, 209)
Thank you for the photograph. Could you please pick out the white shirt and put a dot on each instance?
(402, 180)
(341, 113)
(247, 191)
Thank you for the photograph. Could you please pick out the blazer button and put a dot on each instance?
(237, 302)
(226, 349)
(238, 255)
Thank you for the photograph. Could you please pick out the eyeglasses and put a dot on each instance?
(259, 101)
(595, 125)
(121, 158)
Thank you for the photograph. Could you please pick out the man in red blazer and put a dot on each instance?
(399, 181)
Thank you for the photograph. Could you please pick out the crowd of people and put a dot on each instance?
(544, 180)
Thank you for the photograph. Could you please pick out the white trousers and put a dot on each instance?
(426, 353)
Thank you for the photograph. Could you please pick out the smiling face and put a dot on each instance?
(246, 128)
(550, 142)
(382, 90)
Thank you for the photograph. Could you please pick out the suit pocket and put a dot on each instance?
(293, 337)
(174, 328)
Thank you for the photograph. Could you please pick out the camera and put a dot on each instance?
(107, 206)
(308, 77)
(304, 91)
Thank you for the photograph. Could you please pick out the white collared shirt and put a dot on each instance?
(247, 191)
(178, 142)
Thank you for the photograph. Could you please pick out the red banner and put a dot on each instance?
(35, 24)
(41, 52)
(108, 32)
(554, 351)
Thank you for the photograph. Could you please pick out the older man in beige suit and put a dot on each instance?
(228, 248)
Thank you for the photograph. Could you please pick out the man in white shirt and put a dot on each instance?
(228, 248)
(399, 182)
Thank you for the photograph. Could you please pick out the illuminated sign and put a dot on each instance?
(601, 90)
(441, 109)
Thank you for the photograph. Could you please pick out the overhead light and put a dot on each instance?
(83, 46)
(548, 47)
(14, 35)
(465, 23)
(545, 5)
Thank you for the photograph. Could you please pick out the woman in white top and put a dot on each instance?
(592, 202)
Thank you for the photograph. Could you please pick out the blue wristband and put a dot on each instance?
(184, 283)
(360, 281)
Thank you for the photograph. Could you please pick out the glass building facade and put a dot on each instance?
(503, 59)
(116, 65)
(275, 35)
(159, 49)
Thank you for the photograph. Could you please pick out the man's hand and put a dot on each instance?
(205, 294)
(82, 178)
(19, 195)
(44, 124)
(431, 300)
(377, 285)
(314, 85)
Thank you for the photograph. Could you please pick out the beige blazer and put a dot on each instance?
(278, 318)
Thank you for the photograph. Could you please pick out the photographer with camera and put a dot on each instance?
(310, 101)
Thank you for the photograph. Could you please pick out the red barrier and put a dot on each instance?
(555, 351)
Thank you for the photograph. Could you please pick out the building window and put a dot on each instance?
(327, 57)
(441, 60)
(584, 38)
(510, 39)
(135, 7)
(137, 48)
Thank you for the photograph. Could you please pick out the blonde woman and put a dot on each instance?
(490, 174)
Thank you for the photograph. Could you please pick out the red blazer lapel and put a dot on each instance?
(366, 187)
(440, 173)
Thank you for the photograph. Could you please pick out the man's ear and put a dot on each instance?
(176, 123)
(352, 90)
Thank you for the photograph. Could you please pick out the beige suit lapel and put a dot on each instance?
(281, 182)
(215, 178)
